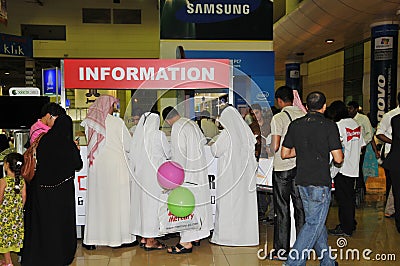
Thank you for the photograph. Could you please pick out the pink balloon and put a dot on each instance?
(170, 175)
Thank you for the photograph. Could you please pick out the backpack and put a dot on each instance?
(29, 167)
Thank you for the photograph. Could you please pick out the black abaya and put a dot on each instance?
(50, 221)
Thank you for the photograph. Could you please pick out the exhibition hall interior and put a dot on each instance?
(201, 56)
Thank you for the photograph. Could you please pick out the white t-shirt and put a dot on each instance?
(352, 140)
(279, 126)
(385, 128)
(366, 126)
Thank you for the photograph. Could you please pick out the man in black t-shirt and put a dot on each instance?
(311, 139)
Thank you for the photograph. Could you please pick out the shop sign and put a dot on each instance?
(15, 45)
(208, 11)
(27, 91)
(146, 73)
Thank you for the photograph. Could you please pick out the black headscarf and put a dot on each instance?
(57, 155)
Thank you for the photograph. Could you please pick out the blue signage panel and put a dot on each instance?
(16, 45)
(51, 81)
(253, 73)
(293, 76)
(383, 80)
(216, 19)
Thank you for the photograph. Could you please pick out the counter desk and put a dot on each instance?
(264, 180)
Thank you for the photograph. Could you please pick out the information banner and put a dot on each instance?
(146, 73)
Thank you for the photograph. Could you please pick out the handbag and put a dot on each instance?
(169, 223)
(29, 167)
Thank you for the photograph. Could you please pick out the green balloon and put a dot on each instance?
(181, 202)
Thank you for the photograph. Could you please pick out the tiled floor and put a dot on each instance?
(373, 232)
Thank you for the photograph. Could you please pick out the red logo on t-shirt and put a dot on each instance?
(353, 133)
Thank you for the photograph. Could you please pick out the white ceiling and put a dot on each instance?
(305, 29)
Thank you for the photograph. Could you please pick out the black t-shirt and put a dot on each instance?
(313, 136)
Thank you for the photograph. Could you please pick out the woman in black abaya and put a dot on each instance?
(50, 221)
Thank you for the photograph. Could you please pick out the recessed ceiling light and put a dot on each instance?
(329, 40)
(6, 73)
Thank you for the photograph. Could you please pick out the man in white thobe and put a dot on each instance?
(149, 149)
(187, 149)
(108, 195)
(236, 217)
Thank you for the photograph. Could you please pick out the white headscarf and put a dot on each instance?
(237, 128)
(142, 140)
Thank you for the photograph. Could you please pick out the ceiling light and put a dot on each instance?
(329, 41)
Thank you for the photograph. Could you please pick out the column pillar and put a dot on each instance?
(383, 78)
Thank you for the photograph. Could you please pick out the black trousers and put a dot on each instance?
(284, 188)
(395, 175)
(388, 182)
(346, 198)
(360, 183)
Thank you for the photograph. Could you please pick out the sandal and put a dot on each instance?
(157, 246)
(196, 243)
(179, 249)
(274, 256)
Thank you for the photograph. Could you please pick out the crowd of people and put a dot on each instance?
(124, 197)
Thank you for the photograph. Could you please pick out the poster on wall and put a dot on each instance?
(3, 12)
(216, 19)
(253, 73)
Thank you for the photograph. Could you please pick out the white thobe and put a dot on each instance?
(149, 149)
(187, 147)
(236, 217)
(108, 195)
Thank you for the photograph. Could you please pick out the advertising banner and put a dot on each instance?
(146, 73)
(383, 82)
(216, 19)
(15, 45)
(24, 91)
(51, 81)
(253, 73)
(293, 75)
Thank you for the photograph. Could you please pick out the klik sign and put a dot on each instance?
(16, 45)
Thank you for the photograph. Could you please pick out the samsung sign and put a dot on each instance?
(208, 11)
(216, 19)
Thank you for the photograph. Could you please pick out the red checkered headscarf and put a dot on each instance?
(95, 124)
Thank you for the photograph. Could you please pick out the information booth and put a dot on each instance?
(150, 83)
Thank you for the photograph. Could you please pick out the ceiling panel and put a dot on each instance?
(346, 21)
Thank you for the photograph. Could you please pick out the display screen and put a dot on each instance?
(20, 112)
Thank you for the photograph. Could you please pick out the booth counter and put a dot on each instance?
(264, 181)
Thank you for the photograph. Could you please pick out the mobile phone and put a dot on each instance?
(77, 139)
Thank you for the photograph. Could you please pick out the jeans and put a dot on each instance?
(313, 234)
(284, 189)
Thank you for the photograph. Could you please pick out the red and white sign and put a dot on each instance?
(353, 134)
(146, 73)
